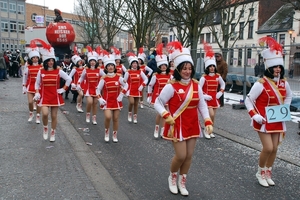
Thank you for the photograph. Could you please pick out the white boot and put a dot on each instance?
(181, 185)
(106, 135)
(173, 182)
(156, 130)
(52, 136)
(162, 131)
(206, 135)
(135, 118)
(31, 115)
(45, 132)
(141, 104)
(37, 119)
(79, 108)
(261, 176)
(114, 137)
(94, 120)
(130, 116)
(269, 176)
(87, 118)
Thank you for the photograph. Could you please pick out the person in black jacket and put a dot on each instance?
(58, 15)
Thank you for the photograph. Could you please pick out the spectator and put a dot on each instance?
(222, 69)
(58, 15)
(2, 67)
(261, 68)
(256, 70)
(6, 58)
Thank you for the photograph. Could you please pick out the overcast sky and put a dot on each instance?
(63, 5)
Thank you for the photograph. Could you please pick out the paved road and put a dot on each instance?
(137, 167)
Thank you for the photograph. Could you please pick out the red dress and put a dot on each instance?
(110, 91)
(92, 78)
(31, 77)
(161, 81)
(268, 98)
(76, 77)
(188, 121)
(50, 82)
(134, 82)
(210, 87)
(120, 70)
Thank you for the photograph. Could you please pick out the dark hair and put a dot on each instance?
(206, 71)
(89, 65)
(270, 71)
(45, 64)
(142, 62)
(158, 70)
(178, 69)
(105, 68)
(29, 61)
(138, 66)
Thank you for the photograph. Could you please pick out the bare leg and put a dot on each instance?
(54, 117)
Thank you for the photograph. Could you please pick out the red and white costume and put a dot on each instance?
(76, 74)
(121, 70)
(267, 92)
(135, 78)
(48, 81)
(157, 83)
(109, 88)
(145, 69)
(209, 84)
(185, 99)
(92, 78)
(29, 78)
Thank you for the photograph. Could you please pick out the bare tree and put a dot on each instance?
(225, 21)
(187, 16)
(138, 18)
(99, 22)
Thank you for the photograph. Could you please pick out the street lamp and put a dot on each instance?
(291, 68)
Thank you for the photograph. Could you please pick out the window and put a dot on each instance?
(231, 52)
(207, 37)
(20, 9)
(3, 6)
(250, 29)
(4, 26)
(21, 27)
(13, 26)
(241, 31)
(251, 11)
(281, 39)
(249, 53)
(213, 39)
(232, 31)
(12, 7)
(201, 38)
(171, 38)
(242, 13)
(240, 57)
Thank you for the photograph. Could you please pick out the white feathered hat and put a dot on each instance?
(108, 58)
(273, 55)
(160, 57)
(131, 57)
(209, 58)
(179, 54)
(116, 53)
(92, 55)
(46, 50)
(33, 50)
(141, 54)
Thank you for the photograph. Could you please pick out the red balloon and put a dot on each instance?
(60, 33)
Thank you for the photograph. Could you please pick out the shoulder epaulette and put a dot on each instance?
(172, 81)
(104, 76)
(261, 80)
(218, 74)
(195, 80)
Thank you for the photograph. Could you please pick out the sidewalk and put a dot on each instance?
(32, 168)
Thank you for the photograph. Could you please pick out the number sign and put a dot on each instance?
(279, 113)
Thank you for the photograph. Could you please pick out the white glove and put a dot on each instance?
(207, 97)
(78, 87)
(219, 94)
(258, 118)
(37, 96)
(102, 102)
(149, 99)
(120, 97)
(73, 86)
(60, 90)
(141, 88)
(24, 90)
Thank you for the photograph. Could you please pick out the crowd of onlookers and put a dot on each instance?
(11, 64)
